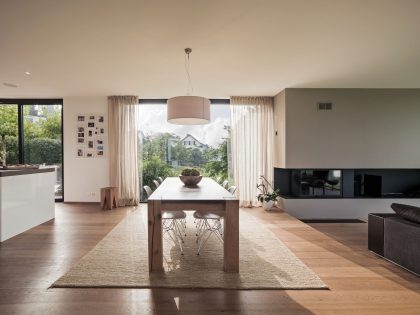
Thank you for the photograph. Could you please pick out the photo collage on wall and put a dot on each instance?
(90, 135)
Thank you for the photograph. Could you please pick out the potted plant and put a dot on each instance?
(268, 195)
(190, 177)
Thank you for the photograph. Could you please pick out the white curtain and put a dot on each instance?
(124, 173)
(251, 144)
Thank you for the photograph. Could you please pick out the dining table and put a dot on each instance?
(207, 196)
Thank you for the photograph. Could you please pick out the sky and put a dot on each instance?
(153, 119)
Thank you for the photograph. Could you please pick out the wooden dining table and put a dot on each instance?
(207, 196)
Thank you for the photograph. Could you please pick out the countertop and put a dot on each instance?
(4, 173)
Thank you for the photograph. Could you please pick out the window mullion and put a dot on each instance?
(21, 134)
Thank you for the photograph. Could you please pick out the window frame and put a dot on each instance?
(163, 101)
(20, 103)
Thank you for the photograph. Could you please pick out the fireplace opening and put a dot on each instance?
(347, 183)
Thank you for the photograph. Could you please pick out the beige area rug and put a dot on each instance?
(120, 260)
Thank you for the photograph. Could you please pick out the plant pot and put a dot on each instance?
(267, 205)
(190, 181)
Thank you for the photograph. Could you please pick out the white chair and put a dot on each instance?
(148, 191)
(173, 223)
(160, 179)
(225, 183)
(209, 223)
(156, 183)
(232, 189)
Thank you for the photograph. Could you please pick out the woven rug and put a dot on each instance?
(120, 260)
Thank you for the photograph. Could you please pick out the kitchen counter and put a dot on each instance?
(26, 171)
(26, 199)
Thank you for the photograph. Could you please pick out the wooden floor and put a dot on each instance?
(360, 282)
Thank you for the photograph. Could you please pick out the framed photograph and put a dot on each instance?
(102, 131)
(81, 135)
(99, 141)
(80, 152)
(80, 140)
(91, 124)
(80, 118)
(90, 154)
(100, 147)
(90, 144)
(92, 117)
(100, 153)
(90, 133)
(101, 119)
(80, 129)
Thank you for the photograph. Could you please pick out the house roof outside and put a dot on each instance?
(190, 137)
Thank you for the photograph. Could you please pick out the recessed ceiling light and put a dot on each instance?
(10, 85)
(27, 73)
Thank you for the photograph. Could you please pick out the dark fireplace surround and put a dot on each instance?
(307, 183)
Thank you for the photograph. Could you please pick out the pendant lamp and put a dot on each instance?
(188, 110)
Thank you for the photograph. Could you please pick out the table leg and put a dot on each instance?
(231, 236)
(155, 235)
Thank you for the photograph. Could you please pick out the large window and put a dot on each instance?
(9, 132)
(167, 148)
(32, 133)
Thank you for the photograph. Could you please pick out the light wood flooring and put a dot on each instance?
(359, 281)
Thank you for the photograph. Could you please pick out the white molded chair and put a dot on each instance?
(160, 179)
(225, 183)
(232, 189)
(156, 183)
(173, 223)
(209, 223)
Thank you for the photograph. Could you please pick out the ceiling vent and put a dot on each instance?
(324, 106)
(10, 85)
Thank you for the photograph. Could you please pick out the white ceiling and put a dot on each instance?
(240, 47)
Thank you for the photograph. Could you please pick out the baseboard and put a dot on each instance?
(332, 221)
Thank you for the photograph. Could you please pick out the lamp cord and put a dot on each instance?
(190, 87)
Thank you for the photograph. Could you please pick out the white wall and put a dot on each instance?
(340, 208)
(83, 177)
(367, 128)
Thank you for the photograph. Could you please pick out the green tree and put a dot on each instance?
(217, 165)
(8, 120)
(45, 133)
(157, 145)
(51, 127)
(154, 167)
(179, 152)
(196, 157)
(162, 148)
(9, 132)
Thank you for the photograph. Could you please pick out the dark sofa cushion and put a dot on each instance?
(402, 243)
(407, 212)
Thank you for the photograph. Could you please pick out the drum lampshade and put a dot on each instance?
(188, 110)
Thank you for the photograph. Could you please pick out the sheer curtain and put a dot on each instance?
(252, 144)
(124, 173)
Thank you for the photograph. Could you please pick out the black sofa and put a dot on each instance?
(396, 239)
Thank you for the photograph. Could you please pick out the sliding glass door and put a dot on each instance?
(42, 138)
(166, 149)
(33, 134)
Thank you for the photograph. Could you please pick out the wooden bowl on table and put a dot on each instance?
(190, 181)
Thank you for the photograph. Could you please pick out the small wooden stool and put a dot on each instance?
(109, 197)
